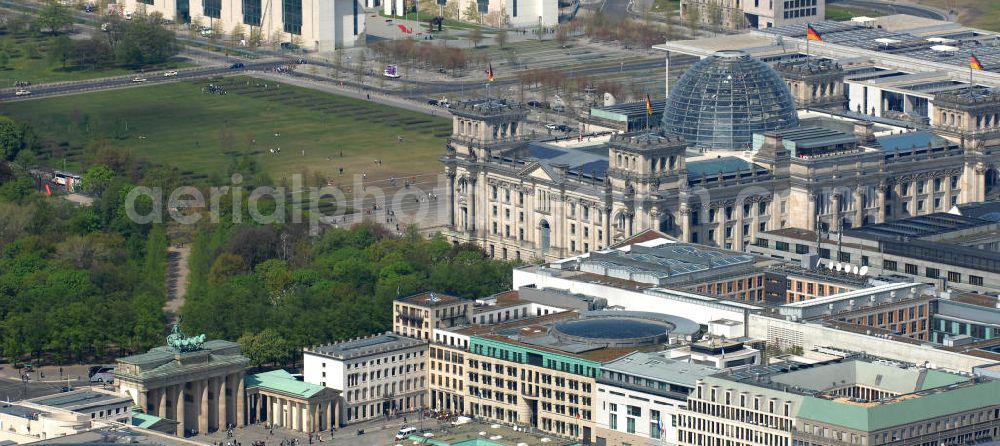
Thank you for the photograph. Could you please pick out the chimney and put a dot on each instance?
(864, 131)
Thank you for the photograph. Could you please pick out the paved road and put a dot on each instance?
(895, 8)
(109, 83)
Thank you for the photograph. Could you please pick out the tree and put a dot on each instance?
(226, 265)
(55, 17)
(61, 50)
(472, 12)
(32, 51)
(145, 42)
(97, 179)
(450, 10)
(93, 53)
(739, 22)
(562, 35)
(256, 36)
(239, 32)
(218, 31)
(476, 36)
(195, 26)
(501, 38)
(11, 137)
(265, 347)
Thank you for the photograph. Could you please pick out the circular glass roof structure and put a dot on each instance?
(723, 99)
(612, 328)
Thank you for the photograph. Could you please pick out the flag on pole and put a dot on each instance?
(811, 34)
(489, 73)
(649, 106)
(974, 63)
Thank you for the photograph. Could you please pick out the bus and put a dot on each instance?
(70, 180)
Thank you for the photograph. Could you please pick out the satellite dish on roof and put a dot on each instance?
(863, 271)
(854, 269)
(829, 265)
(838, 267)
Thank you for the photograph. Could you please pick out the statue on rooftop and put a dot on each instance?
(177, 341)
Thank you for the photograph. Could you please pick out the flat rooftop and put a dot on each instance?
(120, 435)
(659, 368)
(79, 399)
(20, 411)
(365, 346)
(429, 299)
(916, 227)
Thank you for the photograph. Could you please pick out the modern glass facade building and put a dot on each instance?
(725, 98)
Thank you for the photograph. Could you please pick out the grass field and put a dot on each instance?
(178, 124)
(841, 13)
(29, 62)
(977, 13)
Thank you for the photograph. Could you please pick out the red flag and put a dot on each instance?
(404, 29)
(974, 63)
(48, 190)
(489, 73)
(811, 34)
(649, 106)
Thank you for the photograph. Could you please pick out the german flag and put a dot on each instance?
(489, 73)
(974, 63)
(811, 34)
(649, 106)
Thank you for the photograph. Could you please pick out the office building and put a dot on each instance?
(848, 402)
(319, 25)
(379, 375)
(739, 14)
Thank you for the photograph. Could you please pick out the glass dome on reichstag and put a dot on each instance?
(723, 99)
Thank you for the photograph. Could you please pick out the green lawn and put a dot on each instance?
(28, 62)
(178, 124)
(842, 13)
(983, 14)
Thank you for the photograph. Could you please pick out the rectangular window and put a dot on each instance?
(975, 280)
(630, 425)
(251, 12)
(933, 273)
(801, 249)
(514, 9)
(781, 246)
(613, 422)
(889, 265)
(212, 8)
(954, 277)
(291, 14)
(634, 411)
(910, 269)
(355, 5)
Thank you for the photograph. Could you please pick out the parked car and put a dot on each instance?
(169, 73)
(405, 433)
(236, 66)
(301, 61)
(433, 102)
(138, 79)
(565, 128)
(559, 108)
(535, 104)
(22, 92)
(289, 46)
(552, 126)
(103, 375)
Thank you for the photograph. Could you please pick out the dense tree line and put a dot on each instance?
(277, 289)
(76, 283)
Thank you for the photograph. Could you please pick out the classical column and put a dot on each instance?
(947, 192)
(835, 213)
(738, 229)
(685, 223)
(451, 199)
(181, 415)
(221, 401)
(859, 206)
(143, 400)
(238, 398)
(327, 410)
(161, 402)
(308, 427)
(881, 202)
(812, 212)
(203, 406)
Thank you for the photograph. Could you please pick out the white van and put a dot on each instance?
(103, 375)
(405, 432)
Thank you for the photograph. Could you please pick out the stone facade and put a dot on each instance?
(518, 205)
(202, 389)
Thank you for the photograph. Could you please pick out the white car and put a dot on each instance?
(22, 92)
(552, 126)
(138, 79)
(169, 73)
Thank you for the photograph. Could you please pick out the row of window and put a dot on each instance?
(930, 272)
